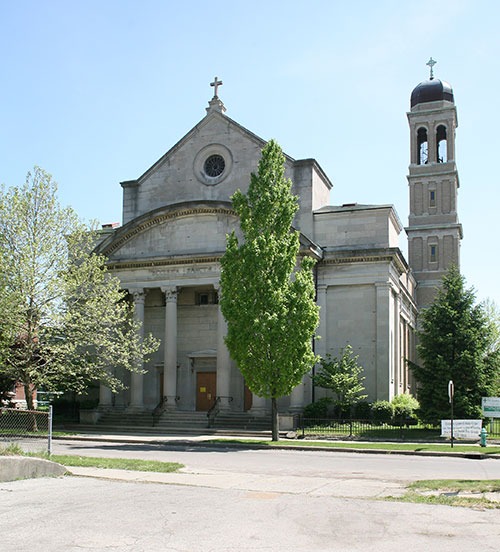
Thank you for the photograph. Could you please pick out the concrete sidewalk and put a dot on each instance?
(257, 483)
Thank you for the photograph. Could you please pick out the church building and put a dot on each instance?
(176, 217)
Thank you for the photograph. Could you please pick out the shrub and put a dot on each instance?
(362, 410)
(382, 411)
(404, 407)
(318, 409)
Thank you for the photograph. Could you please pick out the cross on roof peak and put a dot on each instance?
(431, 64)
(216, 85)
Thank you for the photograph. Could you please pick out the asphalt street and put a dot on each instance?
(72, 514)
(333, 464)
(237, 500)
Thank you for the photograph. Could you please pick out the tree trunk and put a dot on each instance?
(28, 395)
(274, 403)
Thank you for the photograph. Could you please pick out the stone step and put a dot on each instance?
(151, 431)
(183, 421)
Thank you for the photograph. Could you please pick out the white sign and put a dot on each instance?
(462, 429)
(491, 407)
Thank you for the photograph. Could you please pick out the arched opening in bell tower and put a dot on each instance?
(441, 144)
(422, 146)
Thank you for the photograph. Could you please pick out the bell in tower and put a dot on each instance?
(434, 232)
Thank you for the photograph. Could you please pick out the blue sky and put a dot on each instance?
(95, 92)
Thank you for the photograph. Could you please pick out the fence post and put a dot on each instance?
(49, 445)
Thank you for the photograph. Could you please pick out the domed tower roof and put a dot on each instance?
(431, 90)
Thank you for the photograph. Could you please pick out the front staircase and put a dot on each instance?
(178, 421)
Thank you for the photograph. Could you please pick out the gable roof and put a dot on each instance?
(212, 114)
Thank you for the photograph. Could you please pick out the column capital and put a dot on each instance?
(139, 294)
(322, 287)
(170, 293)
(382, 285)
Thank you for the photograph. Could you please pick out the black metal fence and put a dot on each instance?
(368, 429)
(31, 430)
(493, 428)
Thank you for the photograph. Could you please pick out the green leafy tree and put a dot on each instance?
(343, 377)
(492, 311)
(267, 301)
(66, 320)
(455, 344)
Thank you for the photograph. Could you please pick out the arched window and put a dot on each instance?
(441, 145)
(422, 147)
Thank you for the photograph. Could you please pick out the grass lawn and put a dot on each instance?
(116, 463)
(442, 488)
(367, 446)
(94, 462)
(469, 485)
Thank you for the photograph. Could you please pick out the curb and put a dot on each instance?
(249, 446)
(13, 468)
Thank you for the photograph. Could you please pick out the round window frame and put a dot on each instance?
(220, 166)
(201, 158)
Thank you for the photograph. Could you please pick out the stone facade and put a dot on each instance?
(166, 254)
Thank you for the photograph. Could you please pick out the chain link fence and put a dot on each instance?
(31, 430)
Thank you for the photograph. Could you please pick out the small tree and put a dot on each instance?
(268, 303)
(492, 312)
(455, 344)
(66, 322)
(343, 377)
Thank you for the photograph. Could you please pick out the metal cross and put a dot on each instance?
(216, 84)
(431, 64)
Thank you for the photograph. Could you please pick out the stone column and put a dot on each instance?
(137, 379)
(223, 359)
(170, 347)
(105, 396)
(258, 406)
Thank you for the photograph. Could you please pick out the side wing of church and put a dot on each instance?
(166, 254)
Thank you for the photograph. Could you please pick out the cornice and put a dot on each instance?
(385, 257)
(150, 263)
(172, 261)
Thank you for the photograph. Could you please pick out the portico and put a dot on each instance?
(192, 350)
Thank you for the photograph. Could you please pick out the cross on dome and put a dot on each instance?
(430, 63)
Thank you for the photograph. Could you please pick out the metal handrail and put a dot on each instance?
(161, 407)
(214, 409)
(158, 410)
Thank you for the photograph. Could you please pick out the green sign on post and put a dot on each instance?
(491, 407)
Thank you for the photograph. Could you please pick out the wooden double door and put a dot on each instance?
(206, 390)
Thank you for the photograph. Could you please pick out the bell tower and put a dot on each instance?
(434, 232)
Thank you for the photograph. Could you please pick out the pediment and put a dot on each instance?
(181, 174)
